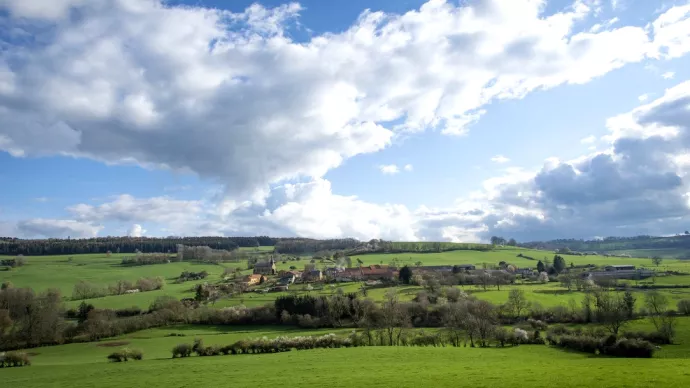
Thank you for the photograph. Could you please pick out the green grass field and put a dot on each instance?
(63, 273)
(85, 365)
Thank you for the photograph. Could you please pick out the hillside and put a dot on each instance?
(639, 246)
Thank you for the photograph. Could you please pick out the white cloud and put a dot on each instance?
(127, 209)
(643, 97)
(40, 9)
(136, 231)
(45, 228)
(588, 140)
(389, 169)
(42, 199)
(408, 167)
(155, 90)
(500, 159)
(668, 75)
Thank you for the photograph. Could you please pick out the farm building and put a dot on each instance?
(447, 268)
(253, 279)
(265, 267)
(620, 274)
(286, 279)
(372, 272)
(619, 267)
(312, 276)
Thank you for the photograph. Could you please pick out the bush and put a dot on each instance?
(632, 348)
(684, 306)
(654, 337)
(182, 350)
(128, 312)
(125, 355)
(14, 359)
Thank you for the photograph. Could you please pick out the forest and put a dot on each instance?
(15, 246)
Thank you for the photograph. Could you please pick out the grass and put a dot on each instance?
(62, 273)
(85, 365)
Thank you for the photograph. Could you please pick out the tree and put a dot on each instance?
(629, 302)
(656, 304)
(540, 267)
(558, 264)
(454, 320)
(656, 260)
(543, 277)
(405, 274)
(611, 311)
(566, 280)
(512, 242)
(517, 301)
(394, 317)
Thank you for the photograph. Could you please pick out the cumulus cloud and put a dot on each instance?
(588, 140)
(643, 97)
(232, 98)
(408, 167)
(500, 159)
(136, 231)
(47, 228)
(668, 75)
(389, 169)
(128, 209)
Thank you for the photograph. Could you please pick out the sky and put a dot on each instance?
(400, 120)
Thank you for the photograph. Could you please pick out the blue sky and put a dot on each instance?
(438, 120)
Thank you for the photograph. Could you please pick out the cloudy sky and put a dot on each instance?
(404, 120)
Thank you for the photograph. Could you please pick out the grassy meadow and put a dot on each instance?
(63, 272)
(85, 365)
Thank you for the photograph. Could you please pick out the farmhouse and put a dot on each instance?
(312, 276)
(619, 267)
(620, 274)
(372, 272)
(447, 268)
(253, 279)
(265, 267)
(287, 279)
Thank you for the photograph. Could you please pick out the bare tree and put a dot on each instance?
(481, 321)
(656, 260)
(454, 320)
(611, 311)
(517, 301)
(657, 307)
(394, 318)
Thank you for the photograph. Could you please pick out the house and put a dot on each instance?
(619, 267)
(372, 272)
(333, 272)
(297, 274)
(620, 274)
(253, 279)
(265, 267)
(286, 279)
(312, 276)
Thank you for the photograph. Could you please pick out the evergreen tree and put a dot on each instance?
(405, 274)
(540, 267)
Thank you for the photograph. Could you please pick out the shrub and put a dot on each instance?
(684, 306)
(125, 355)
(182, 350)
(118, 356)
(632, 348)
(655, 337)
(536, 324)
(14, 359)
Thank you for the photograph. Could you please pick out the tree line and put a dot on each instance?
(15, 246)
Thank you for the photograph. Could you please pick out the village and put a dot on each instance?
(266, 277)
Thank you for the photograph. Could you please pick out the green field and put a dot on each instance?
(85, 365)
(63, 272)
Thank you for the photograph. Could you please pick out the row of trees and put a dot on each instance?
(86, 290)
(14, 246)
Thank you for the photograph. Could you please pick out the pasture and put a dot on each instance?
(85, 365)
(63, 272)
